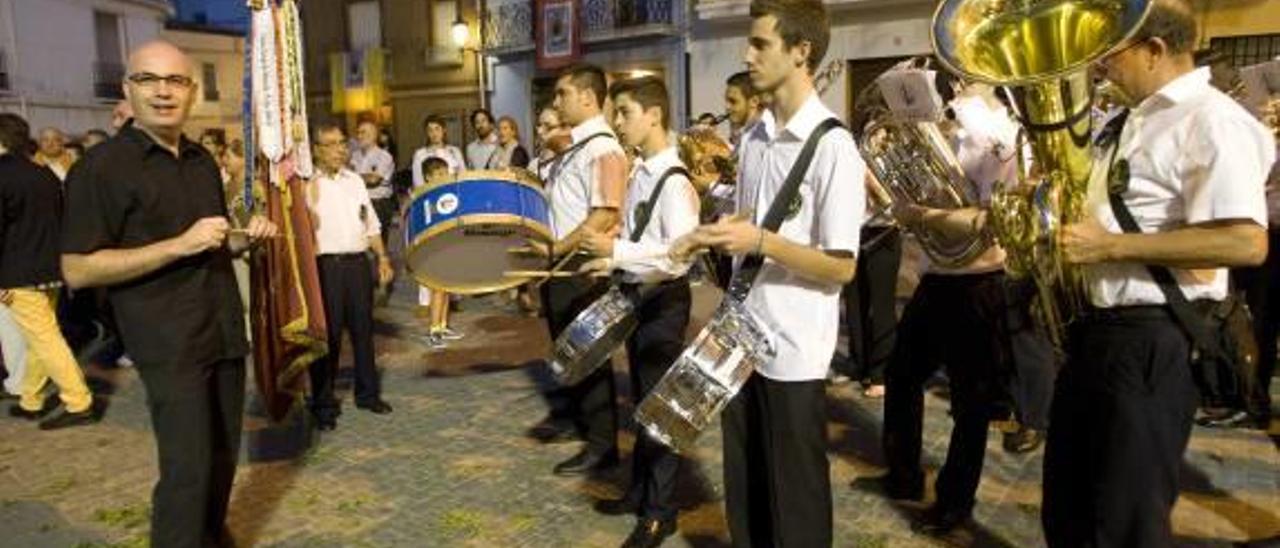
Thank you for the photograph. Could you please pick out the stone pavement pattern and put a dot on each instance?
(451, 467)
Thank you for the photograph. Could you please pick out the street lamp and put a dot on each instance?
(460, 32)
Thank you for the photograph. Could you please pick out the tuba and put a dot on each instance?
(1041, 50)
(912, 161)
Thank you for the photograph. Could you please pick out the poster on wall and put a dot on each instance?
(557, 33)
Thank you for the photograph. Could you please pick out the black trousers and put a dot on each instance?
(196, 413)
(1033, 362)
(1261, 286)
(1122, 415)
(777, 484)
(870, 302)
(656, 343)
(956, 321)
(346, 283)
(385, 208)
(590, 404)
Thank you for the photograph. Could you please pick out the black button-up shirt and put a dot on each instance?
(130, 192)
(30, 209)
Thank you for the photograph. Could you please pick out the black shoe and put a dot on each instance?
(939, 520)
(649, 533)
(552, 431)
(48, 406)
(377, 407)
(586, 461)
(326, 425)
(67, 419)
(628, 504)
(1023, 440)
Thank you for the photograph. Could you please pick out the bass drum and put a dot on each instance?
(463, 235)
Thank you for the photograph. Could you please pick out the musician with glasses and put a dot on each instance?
(145, 217)
(1188, 164)
(776, 474)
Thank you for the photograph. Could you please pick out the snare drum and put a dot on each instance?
(594, 334)
(462, 235)
(705, 377)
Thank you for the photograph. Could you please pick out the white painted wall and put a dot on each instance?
(50, 49)
(513, 95)
(716, 49)
(226, 52)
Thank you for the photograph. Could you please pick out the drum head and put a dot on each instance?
(472, 255)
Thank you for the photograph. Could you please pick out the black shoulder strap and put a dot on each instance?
(746, 275)
(1183, 312)
(646, 211)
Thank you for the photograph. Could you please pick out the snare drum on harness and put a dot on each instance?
(593, 335)
(463, 235)
(708, 374)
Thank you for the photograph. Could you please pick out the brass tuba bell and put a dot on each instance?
(1041, 50)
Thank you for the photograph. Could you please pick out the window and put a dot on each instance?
(108, 66)
(209, 82)
(4, 71)
(364, 25)
(442, 50)
(1242, 51)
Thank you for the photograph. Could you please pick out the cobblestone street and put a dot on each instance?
(451, 466)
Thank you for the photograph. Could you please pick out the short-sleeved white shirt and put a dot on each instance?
(374, 160)
(802, 314)
(675, 213)
(572, 186)
(345, 214)
(1194, 155)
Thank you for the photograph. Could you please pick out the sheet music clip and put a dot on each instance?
(911, 94)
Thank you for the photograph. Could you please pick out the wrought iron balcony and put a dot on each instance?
(108, 77)
(509, 24)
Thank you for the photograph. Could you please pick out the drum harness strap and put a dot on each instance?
(746, 274)
(636, 293)
(557, 162)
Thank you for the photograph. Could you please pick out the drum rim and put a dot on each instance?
(479, 218)
(516, 176)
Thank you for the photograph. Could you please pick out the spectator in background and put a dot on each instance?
(214, 140)
(30, 279)
(550, 138)
(75, 151)
(94, 137)
(122, 114)
(435, 303)
(482, 151)
(375, 166)
(510, 152)
(436, 147)
(52, 152)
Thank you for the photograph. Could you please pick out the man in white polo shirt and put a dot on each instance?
(776, 474)
(585, 187)
(1189, 166)
(346, 229)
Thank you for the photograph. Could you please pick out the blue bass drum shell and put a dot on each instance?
(461, 235)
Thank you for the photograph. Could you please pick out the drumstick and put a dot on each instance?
(245, 232)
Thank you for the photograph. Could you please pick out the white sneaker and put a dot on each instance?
(434, 342)
(124, 361)
(449, 334)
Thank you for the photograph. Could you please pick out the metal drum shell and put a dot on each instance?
(591, 338)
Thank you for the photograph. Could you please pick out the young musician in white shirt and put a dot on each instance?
(661, 205)
(777, 484)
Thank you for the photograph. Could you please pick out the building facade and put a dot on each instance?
(218, 59)
(62, 62)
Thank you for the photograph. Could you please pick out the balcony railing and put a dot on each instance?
(108, 77)
(509, 24)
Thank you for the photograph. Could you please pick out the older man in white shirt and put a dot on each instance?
(375, 166)
(1189, 165)
(346, 230)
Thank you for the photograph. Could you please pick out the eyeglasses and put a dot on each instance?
(150, 80)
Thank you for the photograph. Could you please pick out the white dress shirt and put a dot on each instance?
(374, 160)
(345, 215)
(573, 185)
(449, 153)
(675, 213)
(481, 152)
(1194, 155)
(803, 314)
